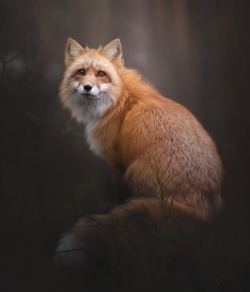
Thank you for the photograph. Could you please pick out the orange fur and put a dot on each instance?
(153, 144)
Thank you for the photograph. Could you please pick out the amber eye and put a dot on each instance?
(81, 72)
(101, 74)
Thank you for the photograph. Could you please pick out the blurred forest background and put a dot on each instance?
(195, 52)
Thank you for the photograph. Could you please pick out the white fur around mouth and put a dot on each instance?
(88, 94)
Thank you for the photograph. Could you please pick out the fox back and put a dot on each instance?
(154, 146)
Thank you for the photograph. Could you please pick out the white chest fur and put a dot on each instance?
(93, 144)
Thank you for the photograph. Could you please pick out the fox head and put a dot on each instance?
(91, 82)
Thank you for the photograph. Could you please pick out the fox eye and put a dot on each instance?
(101, 74)
(81, 72)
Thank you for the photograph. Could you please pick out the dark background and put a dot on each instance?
(195, 52)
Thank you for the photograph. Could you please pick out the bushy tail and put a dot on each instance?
(135, 247)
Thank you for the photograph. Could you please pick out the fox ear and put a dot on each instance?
(113, 52)
(72, 51)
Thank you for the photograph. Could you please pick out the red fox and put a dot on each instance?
(154, 145)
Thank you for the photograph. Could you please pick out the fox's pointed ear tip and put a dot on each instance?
(69, 40)
(117, 40)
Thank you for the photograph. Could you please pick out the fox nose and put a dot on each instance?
(87, 87)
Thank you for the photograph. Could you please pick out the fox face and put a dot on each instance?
(91, 83)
